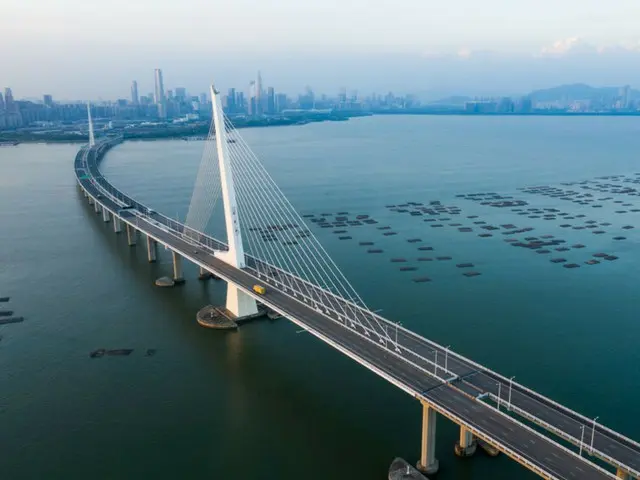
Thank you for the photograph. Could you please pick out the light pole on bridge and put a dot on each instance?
(446, 356)
(593, 431)
(581, 439)
(499, 389)
(510, 386)
(397, 348)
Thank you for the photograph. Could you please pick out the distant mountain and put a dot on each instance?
(578, 91)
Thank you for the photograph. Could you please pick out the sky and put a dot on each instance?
(79, 49)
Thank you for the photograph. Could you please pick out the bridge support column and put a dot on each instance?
(152, 247)
(466, 446)
(204, 274)
(622, 474)
(117, 224)
(177, 268)
(97, 207)
(131, 235)
(428, 463)
(239, 303)
(90, 200)
(105, 214)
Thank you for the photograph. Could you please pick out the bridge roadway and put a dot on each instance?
(416, 369)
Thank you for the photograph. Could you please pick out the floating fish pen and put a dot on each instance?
(619, 238)
(443, 258)
(600, 255)
(387, 234)
(565, 225)
(610, 257)
(370, 221)
(485, 235)
(598, 232)
(558, 260)
(479, 223)
(339, 231)
(592, 262)
(408, 269)
(577, 245)
(455, 224)
(366, 243)
(414, 240)
(425, 259)
(342, 213)
(7, 320)
(416, 214)
(120, 352)
(471, 274)
(436, 225)
(346, 237)
(361, 217)
(425, 248)
(384, 228)
(6, 313)
(465, 229)
(374, 250)
(562, 249)
(4, 299)
(605, 224)
(398, 260)
(464, 265)
(421, 279)
(543, 251)
(571, 265)
(627, 227)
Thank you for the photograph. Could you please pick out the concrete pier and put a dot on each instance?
(428, 463)
(117, 224)
(220, 318)
(152, 247)
(622, 474)
(466, 446)
(177, 268)
(90, 200)
(97, 207)
(105, 215)
(204, 274)
(131, 235)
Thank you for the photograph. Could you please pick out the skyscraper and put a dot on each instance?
(259, 97)
(271, 101)
(47, 99)
(159, 94)
(251, 105)
(135, 99)
(9, 104)
(181, 94)
(1, 102)
(231, 100)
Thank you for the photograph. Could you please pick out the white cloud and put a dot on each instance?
(574, 45)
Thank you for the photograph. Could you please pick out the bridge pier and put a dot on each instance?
(117, 224)
(177, 268)
(204, 274)
(91, 201)
(152, 247)
(239, 303)
(467, 445)
(97, 207)
(105, 215)
(428, 463)
(622, 474)
(131, 235)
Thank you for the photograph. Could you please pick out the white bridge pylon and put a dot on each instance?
(265, 234)
(238, 302)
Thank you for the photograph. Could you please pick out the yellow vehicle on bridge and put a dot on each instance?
(259, 289)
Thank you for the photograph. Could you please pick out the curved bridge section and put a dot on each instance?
(488, 407)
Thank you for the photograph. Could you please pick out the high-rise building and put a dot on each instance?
(170, 94)
(203, 99)
(281, 102)
(9, 104)
(240, 104)
(231, 100)
(1, 102)
(259, 97)
(181, 94)
(159, 94)
(47, 99)
(251, 104)
(271, 101)
(135, 99)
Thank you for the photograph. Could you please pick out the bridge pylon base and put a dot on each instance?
(428, 463)
(239, 303)
(467, 445)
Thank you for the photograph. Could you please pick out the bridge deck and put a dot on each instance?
(414, 369)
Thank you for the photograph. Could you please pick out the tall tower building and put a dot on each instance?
(271, 101)
(251, 105)
(159, 95)
(135, 99)
(9, 105)
(259, 95)
(47, 99)
(1, 102)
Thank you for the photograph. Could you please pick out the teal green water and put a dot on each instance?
(267, 402)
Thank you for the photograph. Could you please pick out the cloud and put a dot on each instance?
(578, 45)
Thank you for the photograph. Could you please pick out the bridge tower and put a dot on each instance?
(92, 138)
(238, 302)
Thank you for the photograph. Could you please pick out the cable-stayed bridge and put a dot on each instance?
(269, 244)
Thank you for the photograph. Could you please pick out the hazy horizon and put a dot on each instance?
(82, 50)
